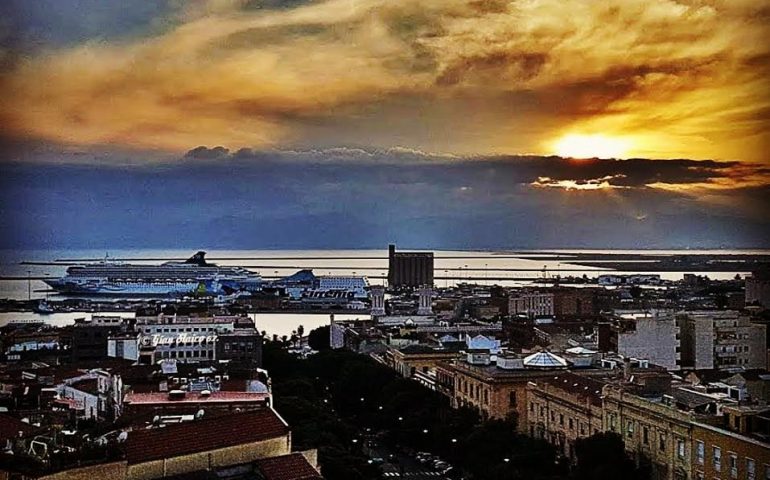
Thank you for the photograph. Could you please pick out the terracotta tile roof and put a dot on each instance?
(157, 398)
(287, 467)
(11, 426)
(203, 435)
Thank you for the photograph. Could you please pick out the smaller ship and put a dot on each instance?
(44, 308)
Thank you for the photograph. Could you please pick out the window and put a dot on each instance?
(662, 442)
(646, 435)
(717, 459)
(700, 451)
(733, 459)
(680, 452)
(531, 407)
(751, 468)
(571, 424)
(561, 419)
(612, 421)
(512, 399)
(629, 428)
(553, 416)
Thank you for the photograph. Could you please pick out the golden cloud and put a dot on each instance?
(679, 79)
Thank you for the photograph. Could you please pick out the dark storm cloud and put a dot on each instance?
(356, 198)
(632, 173)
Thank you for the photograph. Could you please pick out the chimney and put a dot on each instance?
(626, 368)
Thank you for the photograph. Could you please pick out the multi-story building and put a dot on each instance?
(413, 359)
(648, 335)
(409, 269)
(89, 337)
(758, 288)
(188, 339)
(733, 454)
(563, 408)
(721, 339)
(657, 435)
(572, 302)
(356, 284)
(497, 390)
(531, 304)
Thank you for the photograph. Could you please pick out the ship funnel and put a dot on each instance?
(198, 259)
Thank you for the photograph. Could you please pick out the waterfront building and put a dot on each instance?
(409, 269)
(358, 285)
(188, 339)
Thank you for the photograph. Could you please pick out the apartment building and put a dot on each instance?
(721, 340)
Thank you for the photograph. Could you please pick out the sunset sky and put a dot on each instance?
(137, 84)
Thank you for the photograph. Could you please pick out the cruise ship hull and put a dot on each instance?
(194, 276)
(151, 289)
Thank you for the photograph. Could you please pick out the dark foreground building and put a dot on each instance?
(409, 269)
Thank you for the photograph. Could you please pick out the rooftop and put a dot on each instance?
(11, 426)
(287, 467)
(576, 385)
(203, 435)
(154, 398)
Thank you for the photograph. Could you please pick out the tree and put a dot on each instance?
(318, 339)
(603, 456)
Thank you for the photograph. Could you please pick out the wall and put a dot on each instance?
(655, 339)
(111, 471)
(729, 443)
(243, 453)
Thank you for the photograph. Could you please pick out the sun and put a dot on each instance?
(590, 146)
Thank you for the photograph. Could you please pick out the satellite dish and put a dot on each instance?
(199, 414)
(122, 437)
(156, 419)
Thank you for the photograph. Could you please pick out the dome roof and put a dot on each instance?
(544, 360)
